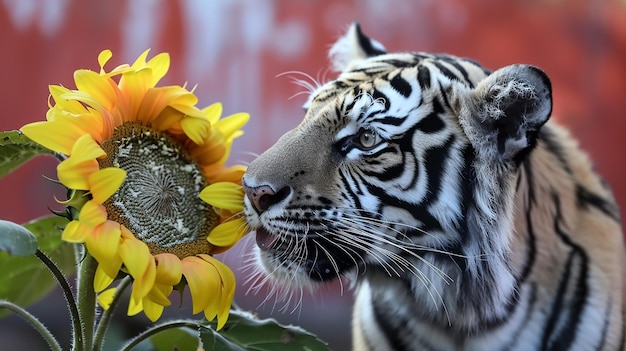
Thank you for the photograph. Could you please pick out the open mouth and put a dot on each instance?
(264, 239)
(320, 262)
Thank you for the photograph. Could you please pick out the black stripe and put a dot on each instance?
(454, 61)
(397, 63)
(391, 325)
(586, 198)
(445, 71)
(356, 91)
(432, 123)
(366, 44)
(419, 212)
(557, 308)
(568, 332)
(531, 244)
(554, 146)
(400, 85)
(434, 162)
(515, 338)
(468, 184)
(605, 327)
(387, 173)
(423, 77)
(392, 120)
(444, 96)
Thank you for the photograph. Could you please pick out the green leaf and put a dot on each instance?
(16, 240)
(16, 149)
(211, 340)
(25, 280)
(243, 331)
(181, 339)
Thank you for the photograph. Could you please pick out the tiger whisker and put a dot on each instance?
(395, 258)
(374, 236)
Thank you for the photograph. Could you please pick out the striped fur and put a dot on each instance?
(465, 219)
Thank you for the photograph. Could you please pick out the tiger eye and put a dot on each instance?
(368, 139)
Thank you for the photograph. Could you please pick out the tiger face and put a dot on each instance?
(465, 219)
(375, 170)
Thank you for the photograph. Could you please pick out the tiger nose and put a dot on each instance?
(263, 197)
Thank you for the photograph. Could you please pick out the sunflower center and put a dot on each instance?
(159, 200)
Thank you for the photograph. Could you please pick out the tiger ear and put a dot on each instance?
(354, 45)
(503, 114)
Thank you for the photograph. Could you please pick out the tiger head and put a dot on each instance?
(402, 157)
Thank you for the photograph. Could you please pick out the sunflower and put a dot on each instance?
(150, 194)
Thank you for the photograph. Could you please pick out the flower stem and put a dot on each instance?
(86, 301)
(157, 329)
(34, 322)
(67, 292)
(98, 341)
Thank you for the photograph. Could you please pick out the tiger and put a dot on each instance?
(463, 217)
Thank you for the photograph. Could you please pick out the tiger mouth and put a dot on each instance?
(318, 261)
(265, 240)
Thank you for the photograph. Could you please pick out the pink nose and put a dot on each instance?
(263, 197)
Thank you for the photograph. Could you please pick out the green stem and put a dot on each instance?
(86, 301)
(34, 322)
(157, 329)
(98, 341)
(67, 292)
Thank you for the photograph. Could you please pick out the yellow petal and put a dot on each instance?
(227, 233)
(86, 148)
(134, 85)
(105, 298)
(215, 295)
(103, 245)
(103, 58)
(160, 64)
(159, 294)
(105, 182)
(196, 272)
(134, 306)
(145, 282)
(219, 173)
(155, 100)
(92, 214)
(140, 62)
(231, 124)
(224, 195)
(75, 233)
(169, 269)
(101, 279)
(188, 108)
(166, 119)
(71, 106)
(84, 98)
(74, 172)
(196, 129)
(75, 175)
(135, 255)
(58, 137)
(213, 112)
(152, 310)
(97, 86)
(139, 263)
(211, 151)
(228, 284)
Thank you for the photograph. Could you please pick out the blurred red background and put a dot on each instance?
(235, 52)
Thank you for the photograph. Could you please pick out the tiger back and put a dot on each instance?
(464, 217)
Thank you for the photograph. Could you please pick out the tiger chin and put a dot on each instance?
(465, 218)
